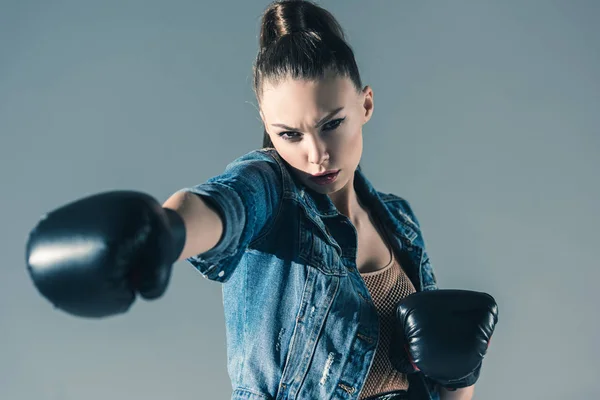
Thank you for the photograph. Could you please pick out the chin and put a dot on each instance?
(323, 190)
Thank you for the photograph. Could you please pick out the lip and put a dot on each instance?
(325, 180)
(331, 171)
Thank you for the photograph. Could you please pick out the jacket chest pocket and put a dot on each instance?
(317, 250)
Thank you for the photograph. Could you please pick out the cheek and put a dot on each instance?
(290, 155)
(351, 136)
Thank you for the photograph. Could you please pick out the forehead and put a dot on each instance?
(293, 97)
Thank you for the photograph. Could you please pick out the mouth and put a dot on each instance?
(326, 178)
(328, 172)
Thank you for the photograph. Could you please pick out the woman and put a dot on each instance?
(313, 260)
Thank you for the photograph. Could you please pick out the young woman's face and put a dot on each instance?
(317, 126)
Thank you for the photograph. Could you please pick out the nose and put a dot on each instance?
(317, 152)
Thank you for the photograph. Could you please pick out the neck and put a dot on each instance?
(347, 202)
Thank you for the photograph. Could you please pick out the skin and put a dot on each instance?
(309, 147)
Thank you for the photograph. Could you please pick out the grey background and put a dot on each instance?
(486, 120)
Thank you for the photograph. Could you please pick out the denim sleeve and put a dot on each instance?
(247, 196)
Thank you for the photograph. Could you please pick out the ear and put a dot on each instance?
(368, 104)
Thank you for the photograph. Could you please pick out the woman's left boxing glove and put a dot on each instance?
(444, 334)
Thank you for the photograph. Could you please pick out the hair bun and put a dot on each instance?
(285, 17)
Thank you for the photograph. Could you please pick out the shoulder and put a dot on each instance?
(400, 207)
(268, 155)
(259, 162)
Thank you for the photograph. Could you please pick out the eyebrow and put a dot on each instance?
(331, 114)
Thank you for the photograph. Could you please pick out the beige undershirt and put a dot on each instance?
(387, 287)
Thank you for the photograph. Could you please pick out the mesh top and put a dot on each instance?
(387, 287)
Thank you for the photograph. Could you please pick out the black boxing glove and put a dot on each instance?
(444, 334)
(91, 257)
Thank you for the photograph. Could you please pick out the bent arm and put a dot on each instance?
(458, 394)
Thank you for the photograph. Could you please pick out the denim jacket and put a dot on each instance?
(300, 322)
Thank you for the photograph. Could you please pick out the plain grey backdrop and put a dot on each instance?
(486, 119)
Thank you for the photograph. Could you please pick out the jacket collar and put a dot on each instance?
(394, 219)
(320, 204)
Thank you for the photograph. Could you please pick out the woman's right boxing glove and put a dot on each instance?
(91, 257)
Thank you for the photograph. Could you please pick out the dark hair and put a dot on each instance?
(301, 40)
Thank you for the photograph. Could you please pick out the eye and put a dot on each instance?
(331, 125)
(286, 133)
